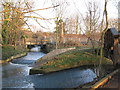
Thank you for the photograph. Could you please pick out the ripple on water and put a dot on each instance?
(17, 75)
(63, 79)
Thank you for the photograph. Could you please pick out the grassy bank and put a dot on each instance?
(70, 59)
(8, 51)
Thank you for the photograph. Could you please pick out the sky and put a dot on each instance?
(73, 7)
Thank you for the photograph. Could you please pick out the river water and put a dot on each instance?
(16, 75)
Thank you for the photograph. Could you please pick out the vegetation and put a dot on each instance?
(8, 51)
(71, 59)
(12, 28)
(14, 25)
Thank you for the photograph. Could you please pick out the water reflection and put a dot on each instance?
(63, 79)
(30, 58)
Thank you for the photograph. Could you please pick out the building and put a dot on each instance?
(111, 45)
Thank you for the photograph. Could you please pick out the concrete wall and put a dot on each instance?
(54, 53)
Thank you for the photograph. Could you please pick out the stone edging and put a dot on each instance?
(102, 81)
(12, 57)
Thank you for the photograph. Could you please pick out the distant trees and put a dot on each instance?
(59, 14)
(72, 25)
(91, 21)
(113, 23)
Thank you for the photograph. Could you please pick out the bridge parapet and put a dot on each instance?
(33, 42)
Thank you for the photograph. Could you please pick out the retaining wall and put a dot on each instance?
(13, 57)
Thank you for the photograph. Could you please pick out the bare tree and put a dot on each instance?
(72, 25)
(15, 19)
(105, 13)
(59, 13)
(113, 23)
(91, 21)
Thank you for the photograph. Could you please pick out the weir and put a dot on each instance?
(34, 54)
(39, 47)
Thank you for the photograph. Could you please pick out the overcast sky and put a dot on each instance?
(73, 7)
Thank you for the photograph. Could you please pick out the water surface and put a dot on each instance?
(16, 75)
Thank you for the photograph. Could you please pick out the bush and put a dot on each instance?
(8, 51)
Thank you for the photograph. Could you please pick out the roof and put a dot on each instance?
(114, 32)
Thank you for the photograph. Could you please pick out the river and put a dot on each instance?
(15, 74)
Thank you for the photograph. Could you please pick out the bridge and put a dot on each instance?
(36, 42)
(30, 43)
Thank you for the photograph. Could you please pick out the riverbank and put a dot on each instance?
(11, 52)
(70, 59)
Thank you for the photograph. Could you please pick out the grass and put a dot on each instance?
(8, 51)
(82, 57)
(72, 59)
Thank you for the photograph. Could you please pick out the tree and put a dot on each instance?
(113, 23)
(60, 30)
(59, 13)
(72, 25)
(15, 19)
(76, 24)
(5, 27)
(91, 21)
(105, 13)
(13, 23)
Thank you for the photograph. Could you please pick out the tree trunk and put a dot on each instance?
(103, 34)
